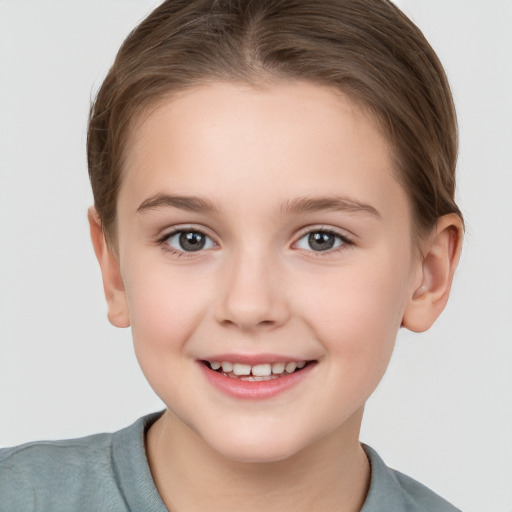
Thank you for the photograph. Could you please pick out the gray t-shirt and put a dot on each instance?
(110, 472)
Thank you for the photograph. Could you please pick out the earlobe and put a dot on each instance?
(113, 285)
(440, 257)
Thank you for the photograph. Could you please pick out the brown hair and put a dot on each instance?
(366, 48)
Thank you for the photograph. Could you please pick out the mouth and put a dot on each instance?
(257, 372)
(255, 377)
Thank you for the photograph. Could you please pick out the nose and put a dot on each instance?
(253, 296)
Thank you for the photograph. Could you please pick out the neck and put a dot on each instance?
(330, 476)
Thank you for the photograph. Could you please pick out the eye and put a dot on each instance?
(189, 241)
(321, 241)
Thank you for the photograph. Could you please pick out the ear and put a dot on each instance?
(113, 285)
(441, 253)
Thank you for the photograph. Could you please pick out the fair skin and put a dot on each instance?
(306, 256)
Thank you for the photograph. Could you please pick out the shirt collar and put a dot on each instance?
(385, 491)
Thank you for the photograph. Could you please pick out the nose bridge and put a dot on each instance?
(252, 296)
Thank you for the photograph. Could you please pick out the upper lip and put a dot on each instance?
(253, 359)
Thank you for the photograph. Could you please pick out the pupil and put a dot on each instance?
(192, 241)
(321, 241)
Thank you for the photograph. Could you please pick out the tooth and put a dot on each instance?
(290, 367)
(215, 365)
(261, 370)
(252, 378)
(301, 364)
(278, 368)
(241, 369)
(227, 367)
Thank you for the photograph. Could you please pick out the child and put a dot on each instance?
(273, 199)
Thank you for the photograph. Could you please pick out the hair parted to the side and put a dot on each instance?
(368, 49)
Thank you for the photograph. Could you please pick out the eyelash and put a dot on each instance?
(163, 241)
(345, 242)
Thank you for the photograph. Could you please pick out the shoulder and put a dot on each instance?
(65, 475)
(54, 473)
(31, 455)
(421, 497)
(392, 490)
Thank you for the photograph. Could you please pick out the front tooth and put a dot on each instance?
(227, 366)
(261, 370)
(241, 369)
(215, 365)
(290, 367)
(278, 368)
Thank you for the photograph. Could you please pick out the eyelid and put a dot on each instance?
(347, 240)
(165, 233)
(326, 228)
(161, 239)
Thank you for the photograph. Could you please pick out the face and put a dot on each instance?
(267, 259)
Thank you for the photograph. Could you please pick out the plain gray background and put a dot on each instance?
(442, 414)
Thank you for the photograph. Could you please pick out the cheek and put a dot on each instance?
(357, 330)
(356, 312)
(165, 307)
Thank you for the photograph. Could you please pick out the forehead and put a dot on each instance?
(274, 141)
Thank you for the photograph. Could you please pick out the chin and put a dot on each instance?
(254, 446)
(256, 454)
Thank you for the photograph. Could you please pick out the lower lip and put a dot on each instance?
(255, 390)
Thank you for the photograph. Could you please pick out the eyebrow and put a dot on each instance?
(294, 206)
(189, 203)
(314, 204)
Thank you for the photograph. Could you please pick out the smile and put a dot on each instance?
(258, 381)
(257, 372)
